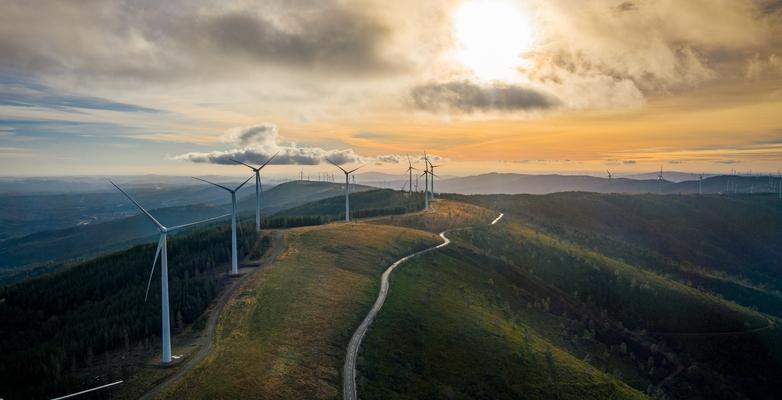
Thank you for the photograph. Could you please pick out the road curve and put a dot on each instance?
(349, 370)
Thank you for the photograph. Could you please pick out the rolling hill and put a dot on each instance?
(570, 296)
(84, 241)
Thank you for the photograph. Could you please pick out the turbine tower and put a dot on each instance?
(347, 187)
(425, 174)
(258, 188)
(410, 169)
(234, 261)
(661, 180)
(432, 174)
(610, 177)
(162, 248)
(700, 184)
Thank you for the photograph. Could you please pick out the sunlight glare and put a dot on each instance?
(491, 36)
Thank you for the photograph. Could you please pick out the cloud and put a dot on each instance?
(469, 97)
(257, 143)
(27, 93)
(607, 53)
(727, 161)
(628, 162)
(192, 39)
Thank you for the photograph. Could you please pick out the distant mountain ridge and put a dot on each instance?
(91, 239)
(511, 183)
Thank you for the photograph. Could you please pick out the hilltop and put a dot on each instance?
(570, 295)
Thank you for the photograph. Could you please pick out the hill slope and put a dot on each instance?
(89, 240)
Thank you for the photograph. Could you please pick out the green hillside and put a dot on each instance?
(59, 326)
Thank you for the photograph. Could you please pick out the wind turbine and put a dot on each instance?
(426, 181)
(347, 187)
(162, 248)
(410, 169)
(431, 172)
(660, 179)
(700, 184)
(610, 177)
(258, 188)
(234, 261)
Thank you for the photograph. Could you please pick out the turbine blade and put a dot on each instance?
(246, 165)
(211, 183)
(336, 165)
(152, 272)
(173, 228)
(159, 225)
(243, 183)
(355, 169)
(268, 161)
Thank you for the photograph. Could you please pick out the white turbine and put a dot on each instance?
(410, 169)
(425, 174)
(234, 261)
(258, 188)
(700, 184)
(162, 247)
(431, 172)
(347, 187)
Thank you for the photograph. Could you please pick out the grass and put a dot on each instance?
(284, 335)
(449, 331)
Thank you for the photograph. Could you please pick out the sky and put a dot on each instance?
(182, 87)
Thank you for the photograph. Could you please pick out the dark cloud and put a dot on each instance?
(626, 6)
(334, 38)
(469, 97)
(191, 38)
(727, 161)
(628, 162)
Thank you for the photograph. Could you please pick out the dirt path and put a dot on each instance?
(349, 370)
(206, 342)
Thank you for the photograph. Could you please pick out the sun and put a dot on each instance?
(491, 37)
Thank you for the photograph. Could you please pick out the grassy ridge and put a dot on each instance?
(285, 335)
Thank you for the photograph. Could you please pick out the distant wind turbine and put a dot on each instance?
(610, 177)
(700, 184)
(410, 169)
(234, 261)
(347, 187)
(258, 188)
(162, 248)
(431, 172)
(661, 180)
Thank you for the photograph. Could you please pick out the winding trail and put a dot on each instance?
(276, 247)
(349, 370)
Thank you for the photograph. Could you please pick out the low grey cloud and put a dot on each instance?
(727, 161)
(467, 96)
(628, 161)
(257, 143)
